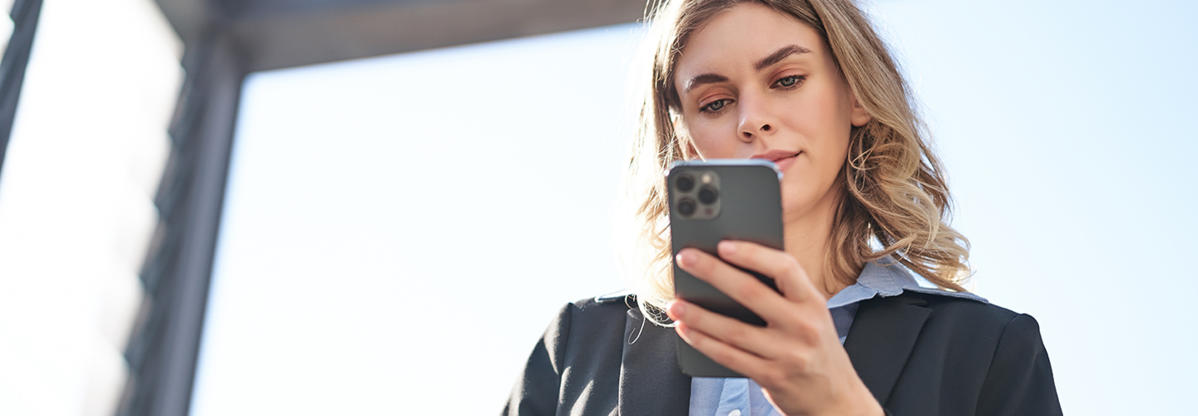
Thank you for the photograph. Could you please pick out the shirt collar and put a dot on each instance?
(887, 278)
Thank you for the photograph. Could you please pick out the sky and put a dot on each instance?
(400, 230)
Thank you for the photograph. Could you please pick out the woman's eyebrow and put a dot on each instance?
(704, 79)
(779, 55)
(773, 58)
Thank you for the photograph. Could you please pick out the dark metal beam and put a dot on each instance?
(25, 15)
(351, 32)
(162, 352)
(243, 9)
(189, 18)
(284, 33)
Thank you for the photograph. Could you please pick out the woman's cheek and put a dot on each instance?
(709, 144)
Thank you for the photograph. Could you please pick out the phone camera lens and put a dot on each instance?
(707, 195)
(685, 183)
(686, 207)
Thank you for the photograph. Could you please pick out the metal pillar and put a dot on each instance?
(162, 352)
(24, 15)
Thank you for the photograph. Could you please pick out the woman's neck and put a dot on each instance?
(807, 234)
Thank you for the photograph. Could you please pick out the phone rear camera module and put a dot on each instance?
(708, 195)
(686, 207)
(685, 183)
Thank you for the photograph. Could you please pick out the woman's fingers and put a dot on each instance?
(738, 285)
(790, 277)
(749, 338)
(796, 358)
(729, 356)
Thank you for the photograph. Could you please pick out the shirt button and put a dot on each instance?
(734, 412)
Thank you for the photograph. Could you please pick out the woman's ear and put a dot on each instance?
(858, 115)
(689, 151)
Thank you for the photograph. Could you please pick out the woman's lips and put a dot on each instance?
(785, 162)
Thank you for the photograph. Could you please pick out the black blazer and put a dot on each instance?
(918, 354)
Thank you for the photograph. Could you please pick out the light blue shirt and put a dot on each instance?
(743, 397)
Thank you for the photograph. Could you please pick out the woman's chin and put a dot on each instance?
(794, 207)
(800, 200)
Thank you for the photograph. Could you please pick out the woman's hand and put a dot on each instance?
(797, 357)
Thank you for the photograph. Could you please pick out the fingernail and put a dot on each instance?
(726, 247)
(685, 258)
(682, 330)
(677, 308)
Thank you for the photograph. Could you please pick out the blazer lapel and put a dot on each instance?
(881, 339)
(651, 382)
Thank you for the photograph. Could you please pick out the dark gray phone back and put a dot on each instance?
(747, 206)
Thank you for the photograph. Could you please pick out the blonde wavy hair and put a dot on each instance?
(895, 203)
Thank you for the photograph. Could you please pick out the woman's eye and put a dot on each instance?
(789, 81)
(714, 106)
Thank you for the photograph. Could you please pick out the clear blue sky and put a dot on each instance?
(390, 218)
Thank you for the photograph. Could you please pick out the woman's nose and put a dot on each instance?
(754, 120)
(747, 133)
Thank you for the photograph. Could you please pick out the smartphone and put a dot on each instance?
(718, 200)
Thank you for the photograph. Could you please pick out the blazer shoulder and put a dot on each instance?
(977, 314)
(603, 308)
(579, 345)
(625, 297)
(605, 303)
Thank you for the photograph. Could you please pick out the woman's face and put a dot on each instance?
(757, 83)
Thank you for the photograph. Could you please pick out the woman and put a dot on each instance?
(807, 84)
